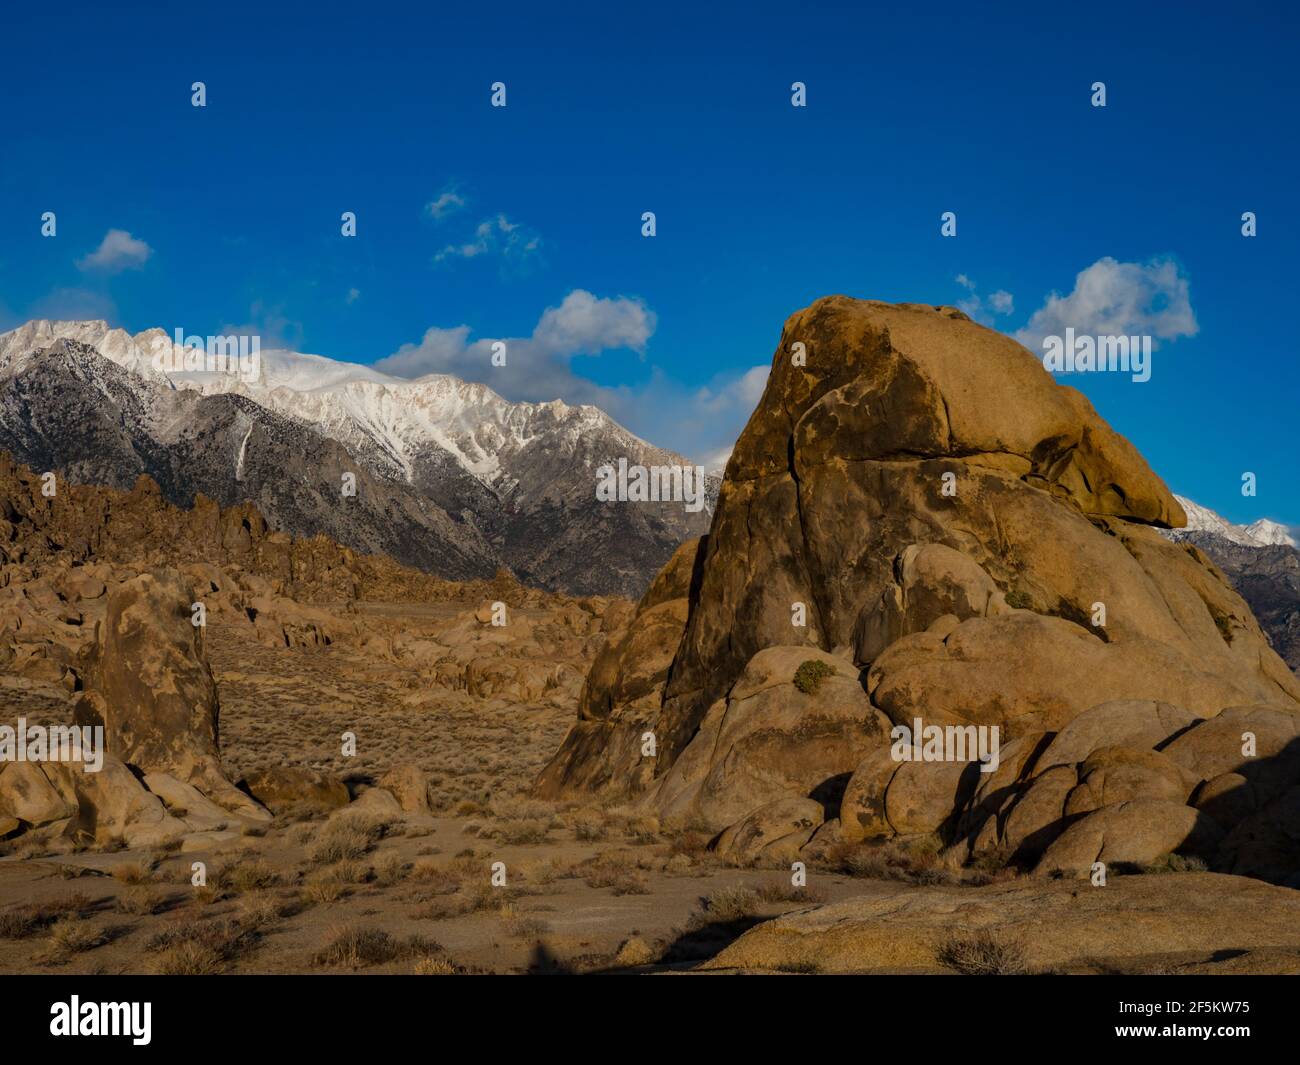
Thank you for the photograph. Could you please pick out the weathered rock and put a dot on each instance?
(1127, 722)
(377, 801)
(152, 690)
(862, 809)
(282, 788)
(1059, 925)
(918, 497)
(1035, 820)
(27, 794)
(774, 741)
(775, 831)
(113, 805)
(922, 796)
(621, 695)
(409, 785)
(1118, 774)
(1137, 831)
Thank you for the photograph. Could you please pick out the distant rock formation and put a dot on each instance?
(959, 541)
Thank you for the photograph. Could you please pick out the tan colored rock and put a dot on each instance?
(282, 788)
(921, 497)
(152, 690)
(1035, 820)
(923, 796)
(1217, 746)
(862, 809)
(1118, 774)
(1146, 921)
(9, 826)
(1137, 831)
(775, 831)
(188, 804)
(621, 695)
(774, 741)
(377, 801)
(409, 785)
(27, 794)
(1126, 722)
(113, 805)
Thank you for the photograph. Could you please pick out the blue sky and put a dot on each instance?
(524, 222)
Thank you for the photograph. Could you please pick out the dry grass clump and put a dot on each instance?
(200, 947)
(521, 926)
(249, 874)
(71, 935)
(984, 953)
(132, 873)
(731, 904)
(348, 835)
(915, 860)
(357, 948)
(782, 891)
(23, 921)
(615, 870)
(435, 965)
(142, 900)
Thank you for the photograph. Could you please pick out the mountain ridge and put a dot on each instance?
(451, 477)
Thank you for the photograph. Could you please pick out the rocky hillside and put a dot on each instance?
(1268, 578)
(450, 477)
(921, 527)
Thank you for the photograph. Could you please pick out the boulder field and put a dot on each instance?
(920, 527)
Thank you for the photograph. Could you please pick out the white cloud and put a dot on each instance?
(448, 202)
(1112, 298)
(700, 422)
(495, 236)
(118, 251)
(980, 309)
(354, 294)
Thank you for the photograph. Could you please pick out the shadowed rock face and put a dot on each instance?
(964, 540)
(151, 688)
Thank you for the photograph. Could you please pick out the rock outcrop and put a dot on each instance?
(960, 542)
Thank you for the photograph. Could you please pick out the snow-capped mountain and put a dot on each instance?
(1259, 533)
(458, 480)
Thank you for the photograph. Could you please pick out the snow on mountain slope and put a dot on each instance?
(516, 479)
(1260, 533)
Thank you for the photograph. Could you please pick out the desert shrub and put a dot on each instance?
(71, 935)
(783, 891)
(984, 953)
(810, 674)
(253, 874)
(348, 836)
(1019, 600)
(23, 921)
(357, 948)
(731, 904)
(141, 900)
